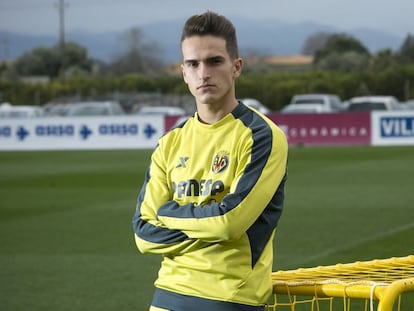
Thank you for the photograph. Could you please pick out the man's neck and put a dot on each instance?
(210, 114)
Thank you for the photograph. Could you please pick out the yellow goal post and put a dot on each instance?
(379, 284)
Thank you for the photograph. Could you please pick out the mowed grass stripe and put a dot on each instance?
(339, 196)
(389, 236)
(74, 228)
(76, 282)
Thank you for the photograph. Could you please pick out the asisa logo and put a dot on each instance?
(220, 162)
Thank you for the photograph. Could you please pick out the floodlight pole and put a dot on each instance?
(61, 7)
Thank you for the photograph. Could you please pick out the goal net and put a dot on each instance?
(376, 285)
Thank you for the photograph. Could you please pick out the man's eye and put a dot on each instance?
(192, 64)
(215, 61)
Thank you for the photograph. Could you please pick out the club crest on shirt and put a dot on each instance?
(220, 162)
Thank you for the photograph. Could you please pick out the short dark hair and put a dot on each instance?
(210, 23)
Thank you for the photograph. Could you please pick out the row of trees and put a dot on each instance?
(330, 51)
(138, 55)
(341, 65)
(345, 53)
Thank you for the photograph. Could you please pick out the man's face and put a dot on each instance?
(208, 69)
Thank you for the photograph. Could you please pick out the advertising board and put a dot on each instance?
(143, 132)
(325, 128)
(125, 132)
(392, 128)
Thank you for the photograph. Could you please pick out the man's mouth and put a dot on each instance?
(205, 86)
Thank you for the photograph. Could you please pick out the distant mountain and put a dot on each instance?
(265, 37)
(100, 46)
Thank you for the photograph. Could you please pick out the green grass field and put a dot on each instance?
(66, 240)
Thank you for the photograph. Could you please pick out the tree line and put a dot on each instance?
(341, 65)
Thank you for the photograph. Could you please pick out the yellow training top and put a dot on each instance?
(210, 203)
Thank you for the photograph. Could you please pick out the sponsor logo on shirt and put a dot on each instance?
(195, 188)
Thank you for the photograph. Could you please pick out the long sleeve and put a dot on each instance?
(152, 236)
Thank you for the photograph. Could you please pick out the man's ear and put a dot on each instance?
(183, 73)
(238, 65)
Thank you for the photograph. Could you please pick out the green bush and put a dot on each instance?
(274, 89)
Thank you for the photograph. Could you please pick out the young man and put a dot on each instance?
(214, 191)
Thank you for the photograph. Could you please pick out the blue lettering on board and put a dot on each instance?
(5, 131)
(118, 129)
(54, 130)
(397, 126)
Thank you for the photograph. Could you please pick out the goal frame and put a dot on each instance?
(381, 280)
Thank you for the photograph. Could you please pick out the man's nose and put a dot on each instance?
(203, 71)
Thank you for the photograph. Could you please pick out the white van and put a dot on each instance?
(85, 108)
(320, 103)
(20, 112)
(309, 108)
(370, 103)
(95, 108)
(162, 110)
(254, 103)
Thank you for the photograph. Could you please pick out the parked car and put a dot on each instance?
(371, 103)
(94, 108)
(18, 112)
(409, 104)
(308, 108)
(310, 102)
(57, 109)
(162, 110)
(254, 103)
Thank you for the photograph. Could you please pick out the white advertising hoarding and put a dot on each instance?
(143, 132)
(392, 128)
(121, 132)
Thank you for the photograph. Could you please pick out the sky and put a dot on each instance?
(41, 17)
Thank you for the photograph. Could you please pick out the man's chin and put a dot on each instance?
(207, 100)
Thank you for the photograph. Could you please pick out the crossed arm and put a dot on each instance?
(165, 226)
